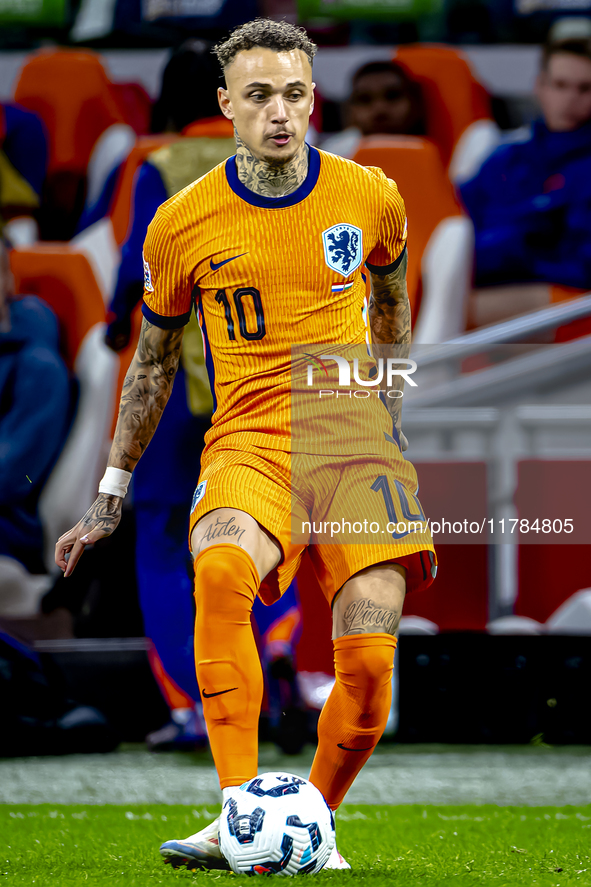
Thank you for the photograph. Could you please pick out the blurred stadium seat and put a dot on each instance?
(64, 279)
(70, 91)
(457, 107)
(440, 238)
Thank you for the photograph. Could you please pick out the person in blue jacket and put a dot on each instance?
(34, 417)
(531, 200)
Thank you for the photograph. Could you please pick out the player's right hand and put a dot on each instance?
(100, 520)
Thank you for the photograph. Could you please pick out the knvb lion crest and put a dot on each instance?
(343, 248)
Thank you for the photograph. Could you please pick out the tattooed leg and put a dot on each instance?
(365, 618)
(370, 602)
(225, 526)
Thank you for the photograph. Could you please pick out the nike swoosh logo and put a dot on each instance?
(215, 266)
(344, 747)
(219, 693)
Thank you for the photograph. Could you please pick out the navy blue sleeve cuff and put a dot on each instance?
(382, 270)
(166, 323)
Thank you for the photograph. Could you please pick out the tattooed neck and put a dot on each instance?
(270, 179)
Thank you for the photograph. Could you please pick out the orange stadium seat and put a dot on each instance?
(70, 91)
(457, 106)
(64, 279)
(440, 237)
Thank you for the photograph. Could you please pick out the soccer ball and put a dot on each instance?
(276, 824)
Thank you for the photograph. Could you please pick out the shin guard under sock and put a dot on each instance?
(227, 661)
(355, 714)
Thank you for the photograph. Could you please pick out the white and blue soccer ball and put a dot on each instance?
(276, 824)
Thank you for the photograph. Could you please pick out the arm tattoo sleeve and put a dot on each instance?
(389, 318)
(145, 393)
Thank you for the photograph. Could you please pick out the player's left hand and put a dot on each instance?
(403, 441)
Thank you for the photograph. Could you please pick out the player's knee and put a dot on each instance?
(212, 570)
(369, 668)
(375, 665)
(224, 580)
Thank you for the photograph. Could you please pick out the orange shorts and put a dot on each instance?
(351, 511)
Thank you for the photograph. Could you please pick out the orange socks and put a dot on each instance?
(231, 681)
(355, 714)
(228, 666)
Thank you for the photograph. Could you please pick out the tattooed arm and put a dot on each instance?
(145, 393)
(389, 318)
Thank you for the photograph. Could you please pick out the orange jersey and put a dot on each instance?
(267, 274)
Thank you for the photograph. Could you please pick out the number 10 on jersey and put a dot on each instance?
(238, 297)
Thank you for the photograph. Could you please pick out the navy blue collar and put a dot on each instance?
(296, 196)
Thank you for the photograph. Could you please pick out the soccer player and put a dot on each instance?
(271, 245)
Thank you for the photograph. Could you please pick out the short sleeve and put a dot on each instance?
(387, 253)
(167, 287)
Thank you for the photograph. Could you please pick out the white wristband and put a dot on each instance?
(115, 482)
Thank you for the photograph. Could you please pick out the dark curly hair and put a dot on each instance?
(264, 32)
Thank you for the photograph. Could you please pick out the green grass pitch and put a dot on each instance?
(414, 845)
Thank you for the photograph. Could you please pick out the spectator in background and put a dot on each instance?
(188, 90)
(34, 420)
(23, 165)
(531, 200)
(383, 101)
